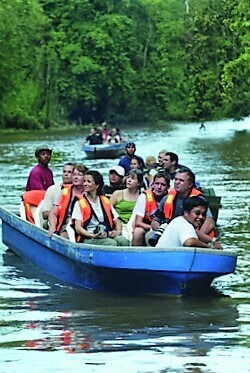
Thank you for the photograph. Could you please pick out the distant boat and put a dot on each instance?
(104, 151)
(136, 270)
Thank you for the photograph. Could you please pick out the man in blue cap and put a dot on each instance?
(130, 153)
(41, 176)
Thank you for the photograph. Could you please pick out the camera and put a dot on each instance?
(158, 215)
(157, 234)
(100, 228)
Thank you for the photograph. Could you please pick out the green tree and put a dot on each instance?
(236, 72)
(21, 24)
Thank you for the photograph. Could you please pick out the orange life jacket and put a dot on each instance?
(168, 208)
(87, 212)
(169, 204)
(151, 205)
(32, 198)
(63, 205)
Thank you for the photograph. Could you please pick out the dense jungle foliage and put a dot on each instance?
(87, 61)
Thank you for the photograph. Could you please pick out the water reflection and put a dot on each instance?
(78, 328)
(47, 316)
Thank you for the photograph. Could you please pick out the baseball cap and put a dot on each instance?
(119, 170)
(41, 148)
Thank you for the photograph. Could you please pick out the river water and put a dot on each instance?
(49, 327)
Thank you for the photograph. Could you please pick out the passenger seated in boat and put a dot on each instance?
(150, 163)
(157, 167)
(53, 193)
(116, 176)
(170, 164)
(146, 204)
(135, 164)
(94, 218)
(113, 137)
(124, 201)
(105, 130)
(101, 133)
(61, 212)
(171, 206)
(94, 137)
(182, 231)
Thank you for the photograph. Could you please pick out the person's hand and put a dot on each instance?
(51, 231)
(97, 235)
(114, 233)
(217, 245)
(155, 225)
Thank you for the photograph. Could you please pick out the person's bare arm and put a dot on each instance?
(115, 196)
(52, 218)
(139, 223)
(117, 228)
(203, 233)
(213, 243)
(208, 225)
(83, 232)
(196, 243)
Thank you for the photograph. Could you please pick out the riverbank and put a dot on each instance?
(10, 135)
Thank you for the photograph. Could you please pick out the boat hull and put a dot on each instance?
(137, 270)
(104, 151)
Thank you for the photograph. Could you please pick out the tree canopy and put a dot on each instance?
(123, 60)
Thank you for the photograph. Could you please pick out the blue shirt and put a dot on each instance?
(125, 162)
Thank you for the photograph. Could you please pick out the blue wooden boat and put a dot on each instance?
(104, 151)
(139, 270)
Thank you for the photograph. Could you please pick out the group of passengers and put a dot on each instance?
(136, 208)
(101, 135)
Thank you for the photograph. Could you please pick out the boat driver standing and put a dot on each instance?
(41, 176)
(130, 153)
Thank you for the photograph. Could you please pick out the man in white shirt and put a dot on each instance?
(53, 193)
(181, 231)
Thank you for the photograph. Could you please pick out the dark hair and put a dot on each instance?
(80, 167)
(163, 174)
(173, 157)
(69, 164)
(98, 179)
(138, 160)
(130, 144)
(191, 175)
(138, 174)
(190, 202)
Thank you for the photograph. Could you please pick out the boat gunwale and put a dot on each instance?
(121, 249)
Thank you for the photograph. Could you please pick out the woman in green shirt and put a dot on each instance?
(125, 200)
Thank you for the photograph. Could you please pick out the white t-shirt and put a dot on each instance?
(52, 196)
(176, 233)
(77, 214)
(140, 206)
